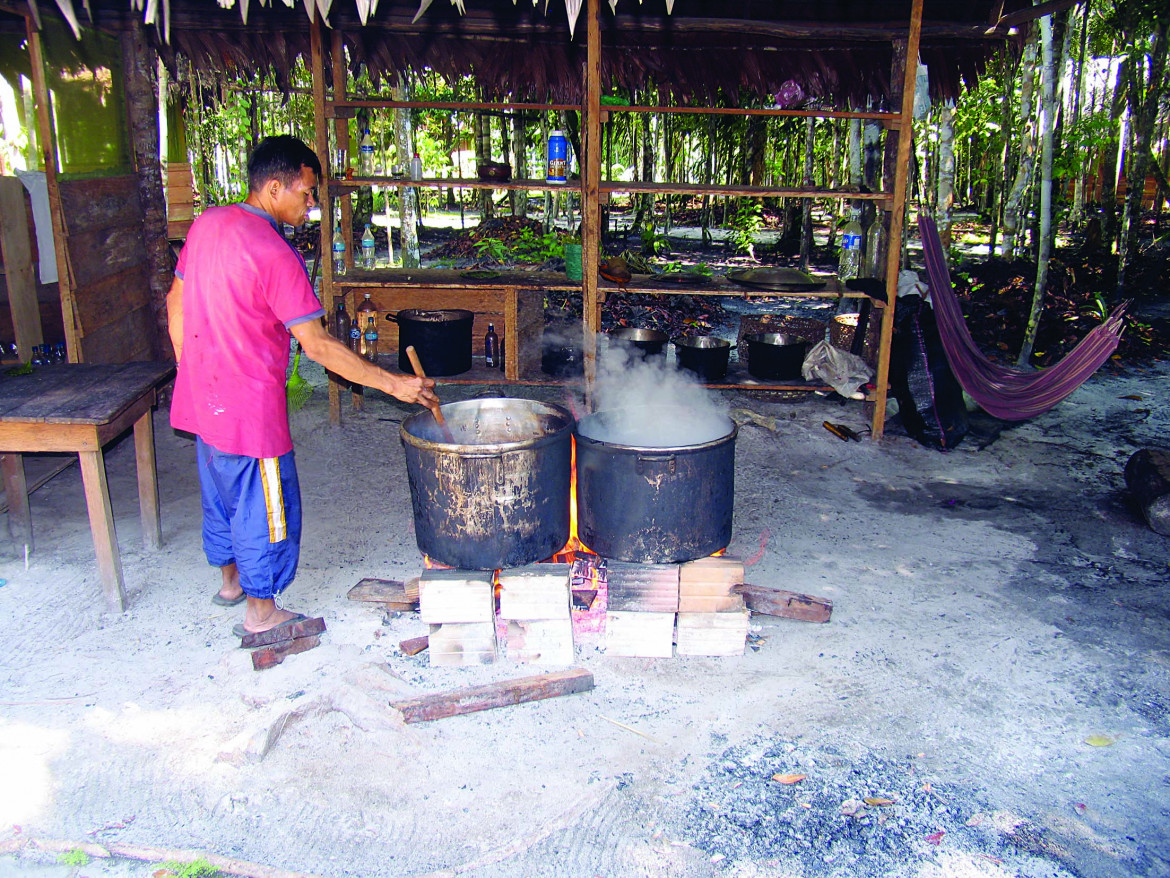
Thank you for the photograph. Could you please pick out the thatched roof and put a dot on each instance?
(698, 51)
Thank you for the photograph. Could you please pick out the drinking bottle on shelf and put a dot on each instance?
(338, 250)
(368, 244)
(416, 168)
(366, 154)
(370, 341)
(491, 347)
(849, 265)
(341, 321)
(558, 157)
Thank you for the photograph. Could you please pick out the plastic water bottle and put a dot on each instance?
(366, 154)
(355, 337)
(873, 248)
(367, 248)
(338, 250)
(850, 262)
(341, 322)
(558, 157)
(491, 347)
(416, 168)
(370, 341)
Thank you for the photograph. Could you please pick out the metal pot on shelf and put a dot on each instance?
(442, 339)
(775, 355)
(649, 342)
(705, 355)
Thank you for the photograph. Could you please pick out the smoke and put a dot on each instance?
(649, 403)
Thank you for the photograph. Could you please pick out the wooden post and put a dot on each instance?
(48, 140)
(590, 192)
(321, 145)
(16, 245)
(905, 139)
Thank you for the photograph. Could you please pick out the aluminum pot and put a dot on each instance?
(644, 500)
(442, 339)
(499, 495)
(704, 355)
(650, 342)
(774, 355)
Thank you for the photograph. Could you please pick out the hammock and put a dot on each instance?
(1007, 393)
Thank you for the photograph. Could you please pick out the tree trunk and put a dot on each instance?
(1044, 245)
(1013, 204)
(519, 163)
(1078, 204)
(945, 199)
(483, 153)
(806, 226)
(407, 200)
(999, 177)
(1143, 97)
(708, 175)
(1113, 155)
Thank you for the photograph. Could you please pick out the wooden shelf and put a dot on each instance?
(355, 182)
(452, 279)
(889, 120)
(741, 191)
(344, 109)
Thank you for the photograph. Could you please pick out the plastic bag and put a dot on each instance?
(840, 369)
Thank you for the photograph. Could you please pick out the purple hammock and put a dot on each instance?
(1007, 393)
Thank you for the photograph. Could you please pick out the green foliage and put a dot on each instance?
(530, 247)
(491, 250)
(74, 857)
(654, 243)
(198, 868)
(745, 223)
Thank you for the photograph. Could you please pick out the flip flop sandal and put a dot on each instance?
(240, 631)
(221, 601)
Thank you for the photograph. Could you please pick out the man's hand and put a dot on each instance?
(323, 348)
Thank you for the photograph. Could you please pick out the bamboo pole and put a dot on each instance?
(905, 137)
(590, 194)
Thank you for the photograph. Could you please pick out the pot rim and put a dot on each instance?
(431, 315)
(483, 450)
(730, 435)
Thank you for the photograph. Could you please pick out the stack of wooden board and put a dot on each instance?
(460, 608)
(712, 617)
(534, 614)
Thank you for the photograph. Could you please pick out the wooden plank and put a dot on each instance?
(101, 203)
(730, 191)
(456, 596)
(460, 644)
(539, 591)
(96, 254)
(104, 300)
(590, 195)
(147, 470)
(271, 656)
(16, 493)
(19, 272)
(301, 628)
(646, 635)
(492, 695)
(386, 591)
(712, 634)
(414, 645)
(647, 588)
(101, 525)
(127, 338)
(786, 604)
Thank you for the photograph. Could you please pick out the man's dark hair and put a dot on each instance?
(280, 157)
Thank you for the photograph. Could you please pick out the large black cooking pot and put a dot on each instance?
(704, 355)
(655, 485)
(774, 355)
(442, 339)
(498, 496)
(645, 342)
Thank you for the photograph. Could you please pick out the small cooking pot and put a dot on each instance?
(442, 339)
(650, 342)
(704, 355)
(774, 355)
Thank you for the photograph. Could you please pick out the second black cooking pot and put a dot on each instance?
(774, 355)
(704, 355)
(442, 339)
(647, 342)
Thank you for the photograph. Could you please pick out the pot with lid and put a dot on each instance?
(655, 485)
(442, 339)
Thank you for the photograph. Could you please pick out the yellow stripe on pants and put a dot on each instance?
(273, 499)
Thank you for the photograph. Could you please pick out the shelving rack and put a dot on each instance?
(890, 201)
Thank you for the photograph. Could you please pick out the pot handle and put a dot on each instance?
(641, 463)
(392, 316)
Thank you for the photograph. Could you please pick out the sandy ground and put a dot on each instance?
(997, 609)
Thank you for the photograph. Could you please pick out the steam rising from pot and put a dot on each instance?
(650, 404)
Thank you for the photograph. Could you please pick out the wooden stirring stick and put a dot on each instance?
(416, 364)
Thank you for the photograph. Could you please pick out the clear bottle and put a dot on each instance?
(341, 322)
(363, 316)
(368, 245)
(366, 154)
(491, 347)
(873, 247)
(416, 168)
(849, 265)
(370, 341)
(355, 337)
(338, 250)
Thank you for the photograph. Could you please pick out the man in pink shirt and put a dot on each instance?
(240, 289)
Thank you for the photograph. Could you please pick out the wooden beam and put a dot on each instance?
(491, 695)
(590, 193)
(20, 273)
(47, 140)
(786, 604)
(897, 218)
(1023, 16)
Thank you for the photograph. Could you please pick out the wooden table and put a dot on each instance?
(81, 408)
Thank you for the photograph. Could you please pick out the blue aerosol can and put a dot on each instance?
(558, 157)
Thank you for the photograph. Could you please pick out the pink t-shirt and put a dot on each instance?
(243, 286)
